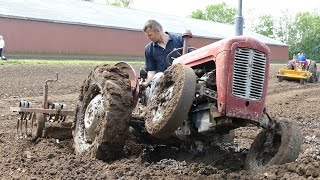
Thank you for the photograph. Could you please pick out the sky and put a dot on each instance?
(251, 9)
(184, 8)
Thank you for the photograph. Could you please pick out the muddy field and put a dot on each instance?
(54, 159)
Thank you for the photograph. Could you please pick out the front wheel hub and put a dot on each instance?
(164, 97)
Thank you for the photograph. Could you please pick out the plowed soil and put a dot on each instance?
(55, 159)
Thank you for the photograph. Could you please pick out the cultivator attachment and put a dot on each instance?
(302, 75)
(49, 121)
(22, 122)
(39, 122)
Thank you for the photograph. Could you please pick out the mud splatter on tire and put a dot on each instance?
(171, 101)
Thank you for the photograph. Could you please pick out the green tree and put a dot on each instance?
(198, 14)
(307, 25)
(300, 31)
(217, 13)
(265, 26)
(121, 3)
(284, 27)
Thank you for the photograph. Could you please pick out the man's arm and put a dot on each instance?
(150, 65)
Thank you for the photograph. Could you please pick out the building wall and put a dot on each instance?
(39, 37)
(24, 36)
(279, 53)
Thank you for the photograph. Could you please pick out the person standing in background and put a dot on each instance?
(2, 44)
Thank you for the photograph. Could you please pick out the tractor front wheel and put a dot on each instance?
(171, 101)
(276, 146)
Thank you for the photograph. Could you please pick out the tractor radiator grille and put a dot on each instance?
(249, 73)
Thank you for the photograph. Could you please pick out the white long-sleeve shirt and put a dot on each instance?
(1, 43)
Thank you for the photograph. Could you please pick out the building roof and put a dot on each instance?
(94, 14)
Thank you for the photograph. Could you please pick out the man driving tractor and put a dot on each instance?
(162, 43)
(303, 61)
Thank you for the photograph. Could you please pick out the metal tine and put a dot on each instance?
(30, 117)
(32, 121)
(18, 127)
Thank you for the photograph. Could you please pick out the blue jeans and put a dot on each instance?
(154, 82)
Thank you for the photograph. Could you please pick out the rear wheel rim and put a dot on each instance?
(92, 116)
(37, 125)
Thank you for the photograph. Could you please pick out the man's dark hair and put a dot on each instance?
(153, 24)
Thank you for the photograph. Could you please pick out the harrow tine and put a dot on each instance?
(32, 123)
(22, 124)
(20, 135)
(25, 128)
(18, 126)
(29, 119)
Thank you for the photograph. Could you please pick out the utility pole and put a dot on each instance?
(239, 20)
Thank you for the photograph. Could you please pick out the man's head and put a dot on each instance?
(153, 30)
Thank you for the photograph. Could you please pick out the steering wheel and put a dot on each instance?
(177, 53)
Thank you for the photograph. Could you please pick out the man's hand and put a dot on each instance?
(143, 85)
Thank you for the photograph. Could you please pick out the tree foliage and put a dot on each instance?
(217, 13)
(121, 3)
(301, 31)
(307, 26)
(266, 26)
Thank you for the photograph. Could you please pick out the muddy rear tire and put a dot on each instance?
(37, 125)
(276, 147)
(313, 71)
(170, 103)
(103, 113)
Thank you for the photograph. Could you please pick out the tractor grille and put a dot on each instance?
(249, 73)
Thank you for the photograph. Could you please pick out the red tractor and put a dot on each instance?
(203, 96)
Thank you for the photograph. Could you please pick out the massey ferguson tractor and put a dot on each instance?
(204, 94)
